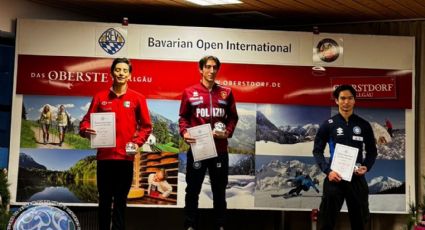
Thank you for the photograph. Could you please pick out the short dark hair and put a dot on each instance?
(121, 60)
(342, 88)
(204, 60)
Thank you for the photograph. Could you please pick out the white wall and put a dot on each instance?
(10, 10)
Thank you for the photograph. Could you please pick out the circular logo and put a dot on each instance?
(219, 126)
(357, 130)
(197, 165)
(44, 214)
(328, 50)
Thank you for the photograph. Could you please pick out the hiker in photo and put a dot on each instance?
(45, 122)
(62, 120)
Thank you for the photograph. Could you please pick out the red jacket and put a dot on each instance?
(200, 106)
(132, 121)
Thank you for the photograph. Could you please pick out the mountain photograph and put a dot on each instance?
(287, 129)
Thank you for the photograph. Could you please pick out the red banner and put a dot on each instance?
(84, 76)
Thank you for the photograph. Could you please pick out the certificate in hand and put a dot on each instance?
(204, 147)
(104, 125)
(344, 160)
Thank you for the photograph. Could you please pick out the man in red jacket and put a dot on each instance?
(207, 103)
(133, 125)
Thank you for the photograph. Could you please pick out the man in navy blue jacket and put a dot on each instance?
(348, 129)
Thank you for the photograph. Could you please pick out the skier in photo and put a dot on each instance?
(302, 183)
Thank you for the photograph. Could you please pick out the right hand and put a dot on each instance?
(188, 139)
(88, 132)
(334, 177)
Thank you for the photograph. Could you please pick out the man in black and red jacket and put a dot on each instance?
(207, 103)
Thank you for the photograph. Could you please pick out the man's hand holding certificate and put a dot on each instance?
(104, 126)
(203, 146)
(343, 161)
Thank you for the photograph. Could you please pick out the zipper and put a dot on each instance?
(211, 107)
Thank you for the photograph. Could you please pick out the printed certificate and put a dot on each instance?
(204, 147)
(104, 125)
(344, 160)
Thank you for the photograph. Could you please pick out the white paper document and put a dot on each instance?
(343, 160)
(104, 125)
(204, 147)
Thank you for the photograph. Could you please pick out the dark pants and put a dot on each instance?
(355, 194)
(218, 170)
(114, 179)
(297, 190)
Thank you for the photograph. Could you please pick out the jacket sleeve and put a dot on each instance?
(320, 141)
(184, 114)
(166, 188)
(85, 122)
(232, 115)
(144, 125)
(370, 147)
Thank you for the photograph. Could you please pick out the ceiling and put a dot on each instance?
(250, 14)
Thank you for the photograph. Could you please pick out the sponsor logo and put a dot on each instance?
(357, 130)
(44, 214)
(328, 50)
(358, 138)
(111, 41)
(104, 103)
(127, 104)
(330, 121)
(369, 87)
(339, 131)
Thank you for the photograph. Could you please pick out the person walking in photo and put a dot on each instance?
(62, 121)
(207, 103)
(45, 122)
(348, 129)
(115, 165)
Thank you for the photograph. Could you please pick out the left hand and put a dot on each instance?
(220, 135)
(361, 171)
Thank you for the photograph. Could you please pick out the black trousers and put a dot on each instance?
(218, 170)
(114, 179)
(355, 194)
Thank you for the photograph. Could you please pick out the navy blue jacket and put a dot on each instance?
(357, 133)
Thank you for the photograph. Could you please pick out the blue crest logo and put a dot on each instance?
(357, 130)
(111, 41)
(44, 214)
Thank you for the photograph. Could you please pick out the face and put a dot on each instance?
(121, 74)
(209, 71)
(159, 176)
(345, 101)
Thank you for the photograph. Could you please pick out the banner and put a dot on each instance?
(282, 83)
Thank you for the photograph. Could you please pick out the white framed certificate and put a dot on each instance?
(104, 125)
(204, 147)
(343, 160)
